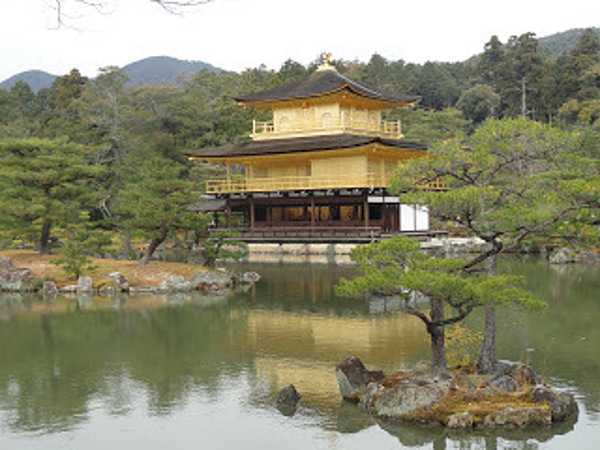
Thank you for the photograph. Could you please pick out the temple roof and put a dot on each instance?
(208, 204)
(295, 145)
(322, 82)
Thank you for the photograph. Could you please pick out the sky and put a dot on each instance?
(238, 34)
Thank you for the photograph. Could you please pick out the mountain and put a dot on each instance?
(153, 70)
(36, 79)
(559, 43)
(163, 70)
(171, 71)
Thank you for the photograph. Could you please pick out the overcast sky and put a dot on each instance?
(236, 34)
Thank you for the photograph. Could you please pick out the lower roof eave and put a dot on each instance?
(300, 145)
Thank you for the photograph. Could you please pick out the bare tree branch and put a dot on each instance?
(106, 7)
(177, 7)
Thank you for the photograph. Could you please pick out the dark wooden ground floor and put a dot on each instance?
(307, 217)
(310, 211)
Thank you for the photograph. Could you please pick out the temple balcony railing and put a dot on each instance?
(301, 183)
(391, 129)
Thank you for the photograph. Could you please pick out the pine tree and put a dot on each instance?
(155, 201)
(44, 184)
(398, 267)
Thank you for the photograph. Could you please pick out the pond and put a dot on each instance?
(179, 372)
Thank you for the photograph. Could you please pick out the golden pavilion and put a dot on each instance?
(319, 170)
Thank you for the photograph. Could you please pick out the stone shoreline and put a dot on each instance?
(15, 279)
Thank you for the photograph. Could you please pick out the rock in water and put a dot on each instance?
(406, 396)
(562, 256)
(521, 373)
(353, 377)
(69, 289)
(287, 400)
(248, 278)
(119, 282)
(176, 283)
(13, 279)
(85, 284)
(518, 417)
(211, 281)
(504, 383)
(49, 289)
(562, 405)
(6, 264)
(461, 421)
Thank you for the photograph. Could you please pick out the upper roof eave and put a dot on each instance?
(320, 84)
(389, 101)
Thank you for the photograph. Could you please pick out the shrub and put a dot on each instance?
(462, 345)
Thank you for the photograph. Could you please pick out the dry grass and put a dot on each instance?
(139, 276)
(468, 396)
(480, 406)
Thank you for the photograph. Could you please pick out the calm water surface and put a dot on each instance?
(176, 372)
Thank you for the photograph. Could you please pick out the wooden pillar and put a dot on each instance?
(366, 209)
(312, 210)
(252, 215)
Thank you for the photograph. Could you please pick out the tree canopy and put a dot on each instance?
(398, 267)
(513, 180)
(44, 184)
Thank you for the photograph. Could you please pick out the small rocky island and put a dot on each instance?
(514, 396)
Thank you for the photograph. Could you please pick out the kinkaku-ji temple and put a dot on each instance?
(319, 171)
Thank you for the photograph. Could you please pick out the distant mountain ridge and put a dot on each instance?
(36, 79)
(559, 43)
(165, 70)
(153, 70)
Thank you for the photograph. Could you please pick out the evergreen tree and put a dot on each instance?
(429, 126)
(524, 65)
(292, 71)
(62, 115)
(479, 103)
(155, 201)
(44, 184)
(400, 268)
(437, 86)
(492, 63)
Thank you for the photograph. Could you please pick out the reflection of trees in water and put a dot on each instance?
(74, 351)
(52, 365)
(565, 337)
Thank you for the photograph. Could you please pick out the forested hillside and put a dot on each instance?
(560, 43)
